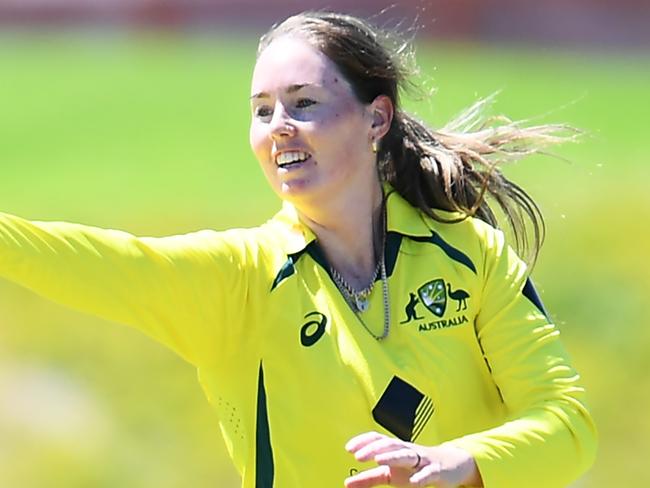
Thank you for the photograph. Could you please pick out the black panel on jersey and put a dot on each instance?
(264, 468)
(530, 292)
(403, 410)
(287, 269)
(393, 242)
(448, 249)
(316, 252)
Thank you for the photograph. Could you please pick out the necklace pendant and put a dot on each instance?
(361, 304)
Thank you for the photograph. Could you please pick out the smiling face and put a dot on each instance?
(310, 134)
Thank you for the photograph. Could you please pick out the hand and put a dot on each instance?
(404, 464)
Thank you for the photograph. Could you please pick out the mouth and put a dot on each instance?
(291, 159)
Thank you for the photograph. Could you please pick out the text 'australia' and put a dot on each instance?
(441, 324)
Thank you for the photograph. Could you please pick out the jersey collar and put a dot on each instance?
(402, 218)
(295, 235)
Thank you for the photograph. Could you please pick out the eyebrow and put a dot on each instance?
(290, 89)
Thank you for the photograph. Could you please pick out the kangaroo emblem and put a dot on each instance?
(460, 296)
(411, 313)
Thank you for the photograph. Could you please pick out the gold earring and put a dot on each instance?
(374, 146)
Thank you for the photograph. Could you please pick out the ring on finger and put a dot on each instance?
(417, 464)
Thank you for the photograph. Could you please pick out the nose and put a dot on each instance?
(281, 125)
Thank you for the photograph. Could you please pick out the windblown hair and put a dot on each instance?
(453, 169)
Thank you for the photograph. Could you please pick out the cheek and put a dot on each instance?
(259, 141)
(345, 133)
(345, 119)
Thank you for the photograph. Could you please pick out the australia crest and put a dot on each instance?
(434, 296)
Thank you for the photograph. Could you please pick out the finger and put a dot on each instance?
(380, 446)
(400, 458)
(428, 475)
(361, 440)
(372, 477)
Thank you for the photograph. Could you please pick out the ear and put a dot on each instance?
(381, 110)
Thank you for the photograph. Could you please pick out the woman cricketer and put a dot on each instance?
(378, 330)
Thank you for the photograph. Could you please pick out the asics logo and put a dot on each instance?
(313, 330)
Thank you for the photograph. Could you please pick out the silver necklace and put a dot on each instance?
(358, 301)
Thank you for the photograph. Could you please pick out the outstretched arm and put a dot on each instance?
(181, 290)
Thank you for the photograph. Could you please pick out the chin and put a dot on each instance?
(296, 191)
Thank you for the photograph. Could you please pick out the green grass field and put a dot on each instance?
(150, 136)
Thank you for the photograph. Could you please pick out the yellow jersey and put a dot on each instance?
(294, 373)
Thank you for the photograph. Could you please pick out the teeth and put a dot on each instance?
(291, 157)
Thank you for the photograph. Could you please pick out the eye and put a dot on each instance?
(263, 111)
(305, 102)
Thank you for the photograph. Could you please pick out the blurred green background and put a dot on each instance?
(149, 134)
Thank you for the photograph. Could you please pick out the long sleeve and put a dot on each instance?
(184, 291)
(549, 439)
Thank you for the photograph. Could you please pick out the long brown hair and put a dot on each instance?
(455, 168)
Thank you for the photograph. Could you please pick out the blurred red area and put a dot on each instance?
(585, 22)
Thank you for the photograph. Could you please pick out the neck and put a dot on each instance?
(350, 232)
